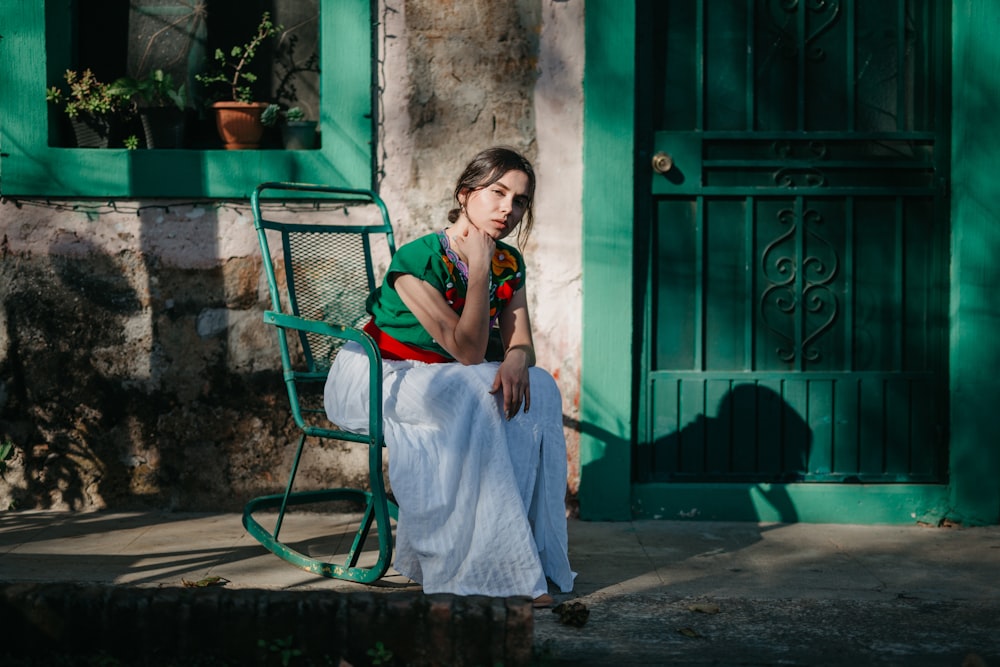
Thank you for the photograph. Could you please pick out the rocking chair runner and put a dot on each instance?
(318, 284)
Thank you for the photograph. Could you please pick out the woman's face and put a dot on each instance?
(497, 208)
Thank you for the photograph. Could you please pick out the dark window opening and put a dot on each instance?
(132, 38)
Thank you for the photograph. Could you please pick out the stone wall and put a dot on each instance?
(134, 367)
(93, 624)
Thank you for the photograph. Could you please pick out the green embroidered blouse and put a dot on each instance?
(431, 259)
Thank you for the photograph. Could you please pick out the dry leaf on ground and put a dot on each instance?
(207, 581)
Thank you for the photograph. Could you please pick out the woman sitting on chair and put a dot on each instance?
(477, 456)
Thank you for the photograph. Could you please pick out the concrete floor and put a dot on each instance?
(657, 592)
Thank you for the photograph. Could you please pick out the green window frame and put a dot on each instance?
(30, 167)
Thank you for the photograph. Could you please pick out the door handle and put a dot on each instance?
(662, 163)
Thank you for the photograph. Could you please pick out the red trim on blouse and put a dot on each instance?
(400, 351)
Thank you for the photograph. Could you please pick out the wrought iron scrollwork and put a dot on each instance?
(793, 281)
(785, 39)
(779, 269)
(817, 294)
(832, 10)
(796, 177)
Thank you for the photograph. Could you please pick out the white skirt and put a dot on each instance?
(481, 499)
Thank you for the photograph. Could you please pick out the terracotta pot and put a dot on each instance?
(239, 123)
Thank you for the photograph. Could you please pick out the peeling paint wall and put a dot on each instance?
(134, 367)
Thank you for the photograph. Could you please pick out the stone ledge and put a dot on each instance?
(159, 625)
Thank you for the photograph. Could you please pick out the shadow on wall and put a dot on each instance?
(756, 441)
(136, 371)
(756, 437)
(118, 388)
(64, 319)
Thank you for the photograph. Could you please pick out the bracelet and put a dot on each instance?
(525, 348)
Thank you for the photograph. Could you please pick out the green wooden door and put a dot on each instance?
(796, 285)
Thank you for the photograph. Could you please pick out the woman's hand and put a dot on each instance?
(512, 378)
(476, 248)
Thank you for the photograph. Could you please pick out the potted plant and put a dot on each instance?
(297, 133)
(161, 107)
(97, 111)
(237, 118)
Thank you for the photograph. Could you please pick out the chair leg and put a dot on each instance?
(379, 510)
(288, 487)
(362, 534)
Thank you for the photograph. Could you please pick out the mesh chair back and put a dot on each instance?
(329, 275)
(325, 269)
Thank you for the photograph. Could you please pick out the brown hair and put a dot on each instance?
(487, 168)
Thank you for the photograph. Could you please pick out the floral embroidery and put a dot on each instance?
(451, 258)
(454, 300)
(503, 260)
(506, 277)
(505, 291)
(448, 261)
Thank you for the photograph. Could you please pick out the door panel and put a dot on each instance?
(798, 266)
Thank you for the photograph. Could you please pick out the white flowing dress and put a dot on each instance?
(481, 498)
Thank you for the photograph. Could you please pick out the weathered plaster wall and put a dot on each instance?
(134, 368)
(471, 75)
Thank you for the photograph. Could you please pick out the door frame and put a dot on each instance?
(612, 336)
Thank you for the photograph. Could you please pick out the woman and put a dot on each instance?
(477, 457)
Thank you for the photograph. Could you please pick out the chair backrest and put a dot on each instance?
(324, 249)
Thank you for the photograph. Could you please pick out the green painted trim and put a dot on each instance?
(790, 503)
(31, 168)
(975, 218)
(608, 201)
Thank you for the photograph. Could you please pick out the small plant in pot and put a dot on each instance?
(97, 111)
(237, 118)
(297, 132)
(161, 107)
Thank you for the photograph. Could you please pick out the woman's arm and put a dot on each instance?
(464, 336)
(519, 355)
(515, 327)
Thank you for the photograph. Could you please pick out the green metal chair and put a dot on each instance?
(320, 267)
